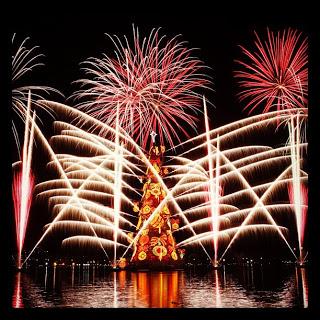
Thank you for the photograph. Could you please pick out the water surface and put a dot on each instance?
(96, 287)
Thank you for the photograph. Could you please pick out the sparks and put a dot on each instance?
(276, 74)
(24, 60)
(86, 184)
(151, 84)
(23, 183)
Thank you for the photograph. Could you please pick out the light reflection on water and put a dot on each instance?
(97, 287)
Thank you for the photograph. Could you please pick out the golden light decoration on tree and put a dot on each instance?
(130, 237)
(155, 186)
(156, 167)
(146, 209)
(175, 226)
(145, 232)
(165, 210)
(144, 239)
(159, 241)
(142, 255)
(174, 255)
(122, 263)
(159, 251)
(157, 221)
(170, 239)
(136, 207)
(156, 192)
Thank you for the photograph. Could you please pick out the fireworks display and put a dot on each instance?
(277, 77)
(275, 74)
(211, 190)
(152, 83)
(78, 199)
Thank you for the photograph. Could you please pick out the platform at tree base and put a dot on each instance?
(155, 266)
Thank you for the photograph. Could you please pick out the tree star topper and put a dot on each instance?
(153, 136)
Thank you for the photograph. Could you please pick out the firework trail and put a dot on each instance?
(23, 182)
(297, 190)
(117, 187)
(276, 74)
(21, 208)
(24, 60)
(213, 185)
(304, 207)
(151, 82)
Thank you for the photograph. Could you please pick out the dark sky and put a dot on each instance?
(66, 40)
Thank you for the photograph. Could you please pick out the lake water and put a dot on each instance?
(260, 286)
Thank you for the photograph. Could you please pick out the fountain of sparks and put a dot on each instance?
(97, 180)
(24, 60)
(297, 190)
(117, 187)
(263, 158)
(77, 198)
(214, 186)
(23, 183)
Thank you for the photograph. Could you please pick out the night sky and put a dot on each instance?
(67, 40)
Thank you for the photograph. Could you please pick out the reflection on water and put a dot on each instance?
(85, 286)
(302, 286)
(217, 286)
(17, 301)
(154, 289)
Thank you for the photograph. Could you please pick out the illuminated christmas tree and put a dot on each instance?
(156, 244)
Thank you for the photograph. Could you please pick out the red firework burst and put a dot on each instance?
(276, 74)
(151, 84)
